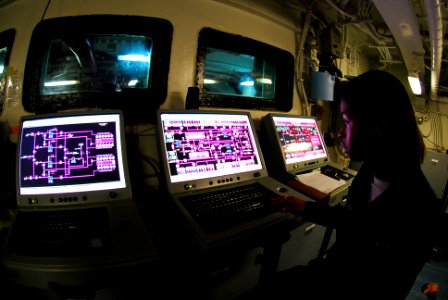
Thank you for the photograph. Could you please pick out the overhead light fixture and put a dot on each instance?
(415, 83)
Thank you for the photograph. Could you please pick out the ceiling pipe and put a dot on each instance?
(435, 28)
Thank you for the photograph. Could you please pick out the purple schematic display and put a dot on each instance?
(202, 145)
(299, 138)
(68, 154)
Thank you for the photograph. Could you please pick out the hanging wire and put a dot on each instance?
(434, 136)
(300, 63)
(45, 10)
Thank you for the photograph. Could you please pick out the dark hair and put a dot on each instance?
(382, 102)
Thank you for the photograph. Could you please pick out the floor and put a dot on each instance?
(232, 283)
(433, 272)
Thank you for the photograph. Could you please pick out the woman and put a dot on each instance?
(383, 233)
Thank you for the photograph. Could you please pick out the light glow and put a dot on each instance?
(61, 82)
(247, 83)
(414, 82)
(135, 57)
(209, 81)
(133, 82)
(264, 80)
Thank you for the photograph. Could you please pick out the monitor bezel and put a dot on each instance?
(84, 197)
(214, 181)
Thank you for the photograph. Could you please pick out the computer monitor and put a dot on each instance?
(239, 72)
(98, 61)
(72, 158)
(204, 147)
(295, 141)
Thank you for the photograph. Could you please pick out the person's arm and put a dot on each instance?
(289, 204)
(316, 212)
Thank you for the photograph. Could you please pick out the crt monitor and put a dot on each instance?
(199, 146)
(238, 72)
(98, 61)
(72, 159)
(296, 142)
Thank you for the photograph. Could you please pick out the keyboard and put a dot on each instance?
(219, 210)
(61, 233)
(335, 173)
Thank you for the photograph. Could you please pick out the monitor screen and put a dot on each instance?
(298, 140)
(69, 158)
(199, 145)
(238, 72)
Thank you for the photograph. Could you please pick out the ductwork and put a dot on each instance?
(435, 28)
(401, 20)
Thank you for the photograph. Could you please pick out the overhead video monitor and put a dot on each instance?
(239, 72)
(98, 61)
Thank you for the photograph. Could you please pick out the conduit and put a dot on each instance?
(435, 28)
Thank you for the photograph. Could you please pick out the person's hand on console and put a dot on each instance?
(289, 204)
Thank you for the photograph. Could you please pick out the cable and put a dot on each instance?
(300, 54)
(150, 161)
(45, 10)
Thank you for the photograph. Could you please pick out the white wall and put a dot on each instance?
(188, 17)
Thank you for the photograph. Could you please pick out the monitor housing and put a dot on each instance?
(99, 61)
(72, 158)
(233, 71)
(202, 148)
(295, 143)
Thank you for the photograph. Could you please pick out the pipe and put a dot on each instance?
(435, 28)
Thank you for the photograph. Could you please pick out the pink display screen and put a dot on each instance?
(300, 139)
(204, 145)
